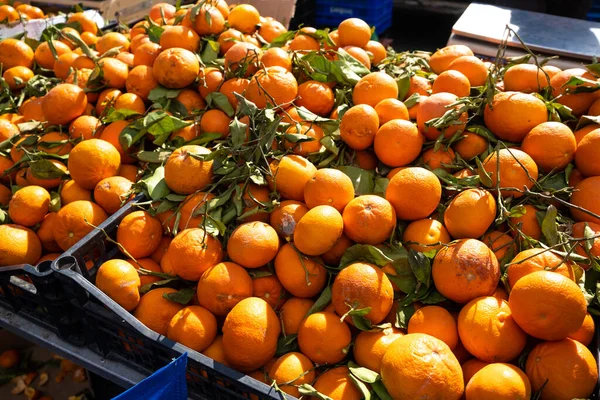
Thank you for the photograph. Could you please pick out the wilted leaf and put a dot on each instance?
(549, 225)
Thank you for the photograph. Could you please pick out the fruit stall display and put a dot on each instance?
(306, 208)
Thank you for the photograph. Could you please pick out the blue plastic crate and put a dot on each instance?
(332, 12)
(381, 24)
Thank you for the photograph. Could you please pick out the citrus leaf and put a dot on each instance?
(282, 39)
(549, 225)
(361, 386)
(484, 176)
(403, 315)
(364, 374)
(421, 266)
(153, 157)
(362, 180)
(45, 169)
(219, 100)
(210, 52)
(307, 390)
(55, 202)
(154, 32)
(403, 83)
(366, 253)
(155, 184)
(286, 344)
(322, 302)
(163, 283)
(381, 391)
(413, 100)
(118, 115)
(161, 92)
(184, 296)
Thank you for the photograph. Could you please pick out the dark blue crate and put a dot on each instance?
(381, 24)
(369, 11)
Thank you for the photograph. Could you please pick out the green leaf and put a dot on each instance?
(403, 83)
(577, 84)
(118, 115)
(220, 101)
(517, 211)
(361, 386)
(484, 176)
(381, 391)
(204, 138)
(245, 107)
(549, 226)
(55, 202)
(483, 132)
(131, 134)
(153, 157)
(210, 52)
(154, 32)
(421, 267)
(594, 68)
(163, 128)
(184, 296)
(587, 120)
(380, 185)
(282, 39)
(350, 65)
(364, 374)
(362, 180)
(286, 344)
(155, 184)
(434, 297)
(366, 253)
(322, 302)
(3, 217)
(45, 169)
(361, 322)
(161, 92)
(413, 100)
(403, 315)
(237, 130)
(163, 283)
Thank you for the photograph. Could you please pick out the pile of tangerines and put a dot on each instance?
(14, 11)
(334, 219)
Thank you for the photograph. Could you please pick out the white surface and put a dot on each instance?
(281, 10)
(541, 32)
(35, 27)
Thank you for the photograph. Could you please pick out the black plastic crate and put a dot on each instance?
(304, 15)
(35, 293)
(121, 337)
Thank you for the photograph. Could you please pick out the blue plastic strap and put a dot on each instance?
(168, 383)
